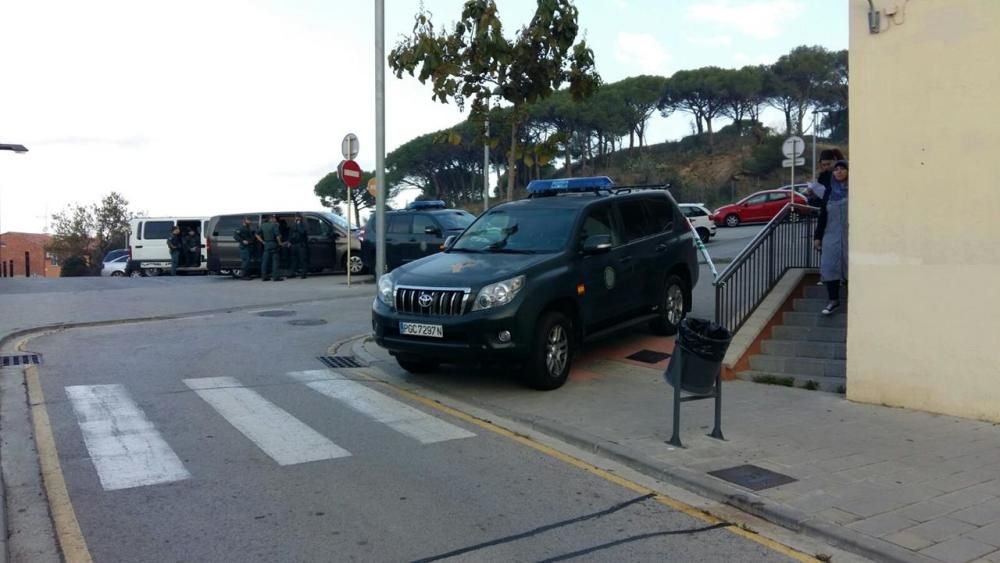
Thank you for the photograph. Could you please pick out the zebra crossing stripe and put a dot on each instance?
(286, 439)
(397, 415)
(123, 444)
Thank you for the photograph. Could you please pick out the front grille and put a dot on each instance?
(441, 302)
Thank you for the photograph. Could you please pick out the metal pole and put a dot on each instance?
(349, 239)
(380, 186)
(813, 177)
(486, 168)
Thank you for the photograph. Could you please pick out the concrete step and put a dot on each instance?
(810, 334)
(791, 365)
(815, 305)
(828, 384)
(838, 320)
(805, 349)
(819, 292)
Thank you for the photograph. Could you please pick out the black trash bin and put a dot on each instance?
(698, 353)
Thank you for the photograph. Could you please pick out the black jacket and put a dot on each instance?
(826, 178)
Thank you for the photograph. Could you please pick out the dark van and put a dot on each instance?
(327, 248)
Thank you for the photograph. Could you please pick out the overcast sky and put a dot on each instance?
(211, 106)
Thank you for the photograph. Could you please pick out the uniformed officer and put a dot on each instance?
(192, 248)
(175, 245)
(270, 237)
(244, 236)
(298, 237)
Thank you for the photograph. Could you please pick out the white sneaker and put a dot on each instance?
(830, 308)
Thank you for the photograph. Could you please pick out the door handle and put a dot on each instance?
(413, 240)
(138, 246)
(661, 247)
(625, 259)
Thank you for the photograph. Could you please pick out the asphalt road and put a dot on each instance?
(215, 438)
(723, 248)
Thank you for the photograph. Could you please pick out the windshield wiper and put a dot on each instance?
(469, 250)
(505, 250)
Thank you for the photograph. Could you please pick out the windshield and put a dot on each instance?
(455, 221)
(339, 221)
(518, 230)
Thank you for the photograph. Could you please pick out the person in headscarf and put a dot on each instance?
(831, 235)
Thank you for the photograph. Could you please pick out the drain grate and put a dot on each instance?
(275, 313)
(649, 356)
(753, 477)
(307, 322)
(341, 362)
(20, 360)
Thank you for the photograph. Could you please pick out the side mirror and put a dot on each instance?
(597, 244)
(448, 242)
(432, 231)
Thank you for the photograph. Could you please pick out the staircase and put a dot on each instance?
(807, 349)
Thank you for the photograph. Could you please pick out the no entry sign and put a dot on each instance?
(350, 172)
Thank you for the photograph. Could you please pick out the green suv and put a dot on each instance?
(530, 281)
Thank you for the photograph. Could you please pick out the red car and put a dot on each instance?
(760, 207)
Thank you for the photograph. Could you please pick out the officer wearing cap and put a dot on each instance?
(244, 236)
(298, 237)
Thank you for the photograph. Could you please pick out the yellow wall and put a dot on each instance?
(924, 313)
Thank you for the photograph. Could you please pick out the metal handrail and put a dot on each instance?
(784, 243)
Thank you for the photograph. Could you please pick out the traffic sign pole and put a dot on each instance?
(380, 138)
(350, 173)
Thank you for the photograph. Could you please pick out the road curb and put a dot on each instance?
(709, 487)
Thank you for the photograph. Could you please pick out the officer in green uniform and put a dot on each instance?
(192, 248)
(244, 236)
(270, 237)
(299, 239)
(175, 245)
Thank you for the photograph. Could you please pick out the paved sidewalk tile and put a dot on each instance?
(988, 534)
(940, 529)
(925, 511)
(882, 525)
(958, 550)
(910, 541)
(980, 515)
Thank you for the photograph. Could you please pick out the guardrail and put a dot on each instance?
(785, 243)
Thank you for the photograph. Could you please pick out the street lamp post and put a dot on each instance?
(18, 149)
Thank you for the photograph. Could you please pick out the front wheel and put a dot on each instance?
(136, 274)
(357, 264)
(732, 221)
(416, 365)
(549, 363)
(672, 305)
(704, 234)
(117, 274)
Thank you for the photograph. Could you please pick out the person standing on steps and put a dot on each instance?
(832, 235)
(270, 237)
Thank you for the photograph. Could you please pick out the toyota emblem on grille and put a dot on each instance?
(425, 300)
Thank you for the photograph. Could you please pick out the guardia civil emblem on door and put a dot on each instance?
(609, 277)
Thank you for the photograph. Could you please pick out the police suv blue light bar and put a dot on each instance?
(585, 184)
(428, 204)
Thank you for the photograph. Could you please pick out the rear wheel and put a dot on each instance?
(671, 307)
(137, 274)
(552, 353)
(733, 220)
(414, 364)
(117, 274)
(357, 264)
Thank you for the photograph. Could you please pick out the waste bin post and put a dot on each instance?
(717, 431)
(675, 439)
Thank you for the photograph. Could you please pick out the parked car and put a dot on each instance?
(414, 232)
(760, 207)
(147, 244)
(115, 267)
(701, 219)
(530, 281)
(112, 254)
(326, 250)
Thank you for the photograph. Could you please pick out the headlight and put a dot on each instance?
(498, 294)
(385, 289)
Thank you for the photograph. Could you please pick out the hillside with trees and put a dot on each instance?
(537, 130)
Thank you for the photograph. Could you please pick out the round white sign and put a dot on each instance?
(349, 146)
(793, 147)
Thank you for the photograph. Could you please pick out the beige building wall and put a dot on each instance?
(924, 313)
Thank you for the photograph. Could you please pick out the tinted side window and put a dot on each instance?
(661, 214)
(227, 225)
(157, 230)
(316, 228)
(693, 212)
(399, 224)
(598, 222)
(634, 220)
(756, 200)
(421, 222)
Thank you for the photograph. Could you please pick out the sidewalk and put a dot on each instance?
(889, 484)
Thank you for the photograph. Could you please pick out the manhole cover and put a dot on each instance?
(276, 313)
(341, 362)
(649, 356)
(307, 322)
(752, 477)
(20, 360)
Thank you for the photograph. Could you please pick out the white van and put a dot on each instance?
(147, 245)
